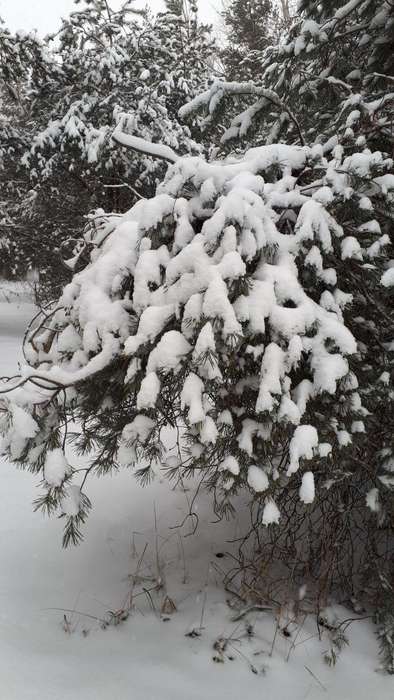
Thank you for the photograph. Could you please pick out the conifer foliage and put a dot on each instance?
(251, 26)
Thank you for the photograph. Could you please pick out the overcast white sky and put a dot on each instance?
(44, 15)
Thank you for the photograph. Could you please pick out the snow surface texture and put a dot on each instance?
(44, 657)
(187, 280)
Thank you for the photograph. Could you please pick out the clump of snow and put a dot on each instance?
(23, 423)
(208, 431)
(70, 504)
(351, 248)
(149, 391)
(69, 340)
(23, 427)
(307, 488)
(191, 397)
(388, 278)
(372, 500)
(169, 352)
(230, 464)
(271, 513)
(324, 449)
(304, 441)
(344, 438)
(385, 378)
(257, 479)
(56, 467)
(139, 429)
(272, 371)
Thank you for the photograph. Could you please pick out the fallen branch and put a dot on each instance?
(249, 609)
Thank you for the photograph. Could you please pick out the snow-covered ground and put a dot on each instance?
(46, 656)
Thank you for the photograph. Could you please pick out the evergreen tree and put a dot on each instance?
(104, 67)
(251, 26)
(247, 307)
(23, 65)
(340, 66)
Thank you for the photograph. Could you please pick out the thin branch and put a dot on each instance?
(129, 187)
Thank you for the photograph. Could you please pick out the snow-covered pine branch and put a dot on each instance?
(241, 123)
(156, 150)
(246, 305)
(215, 306)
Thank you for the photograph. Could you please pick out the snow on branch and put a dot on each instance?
(135, 143)
(241, 123)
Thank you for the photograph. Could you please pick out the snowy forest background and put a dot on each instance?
(196, 259)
